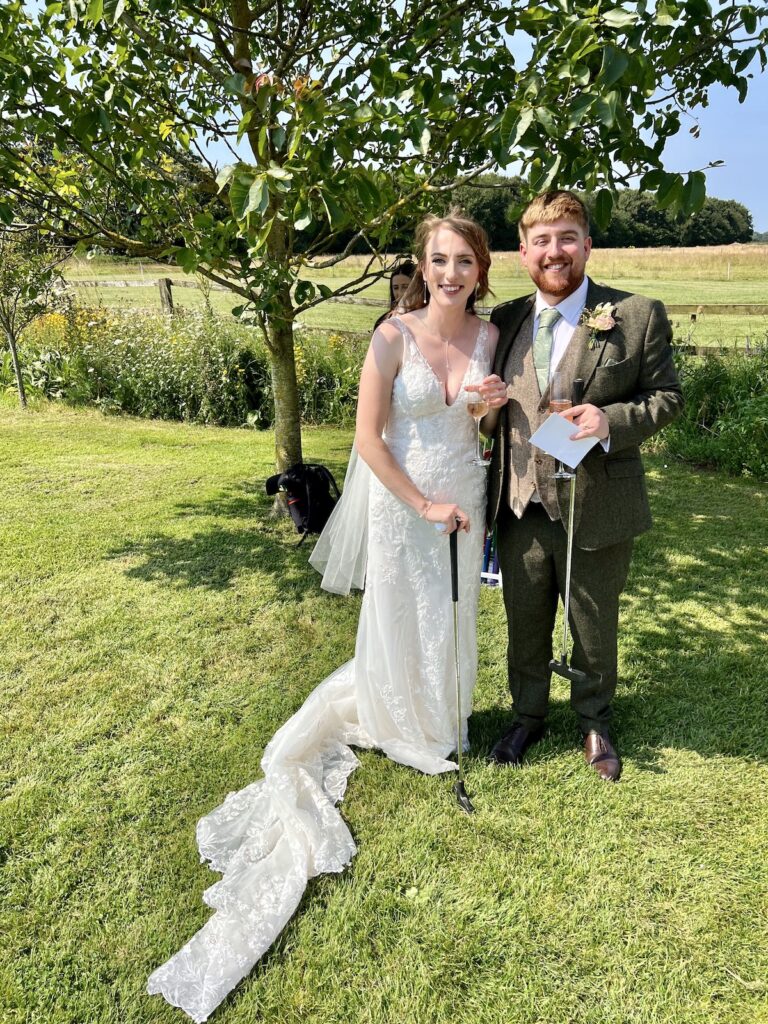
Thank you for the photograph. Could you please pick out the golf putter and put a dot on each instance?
(461, 794)
(561, 667)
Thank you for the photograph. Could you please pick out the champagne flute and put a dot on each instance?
(559, 401)
(477, 407)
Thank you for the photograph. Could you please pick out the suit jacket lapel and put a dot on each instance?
(585, 359)
(508, 333)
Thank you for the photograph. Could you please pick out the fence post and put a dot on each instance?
(166, 299)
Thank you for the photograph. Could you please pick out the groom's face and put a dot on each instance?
(555, 256)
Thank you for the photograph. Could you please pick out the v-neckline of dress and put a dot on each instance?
(430, 367)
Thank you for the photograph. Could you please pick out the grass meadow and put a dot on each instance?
(157, 626)
(734, 274)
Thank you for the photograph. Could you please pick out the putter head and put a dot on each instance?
(463, 799)
(562, 668)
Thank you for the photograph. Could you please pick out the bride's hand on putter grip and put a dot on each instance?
(447, 518)
(591, 421)
(492, 390)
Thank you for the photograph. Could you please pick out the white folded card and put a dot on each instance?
(553, 437)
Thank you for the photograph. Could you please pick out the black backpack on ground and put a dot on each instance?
(309, 487)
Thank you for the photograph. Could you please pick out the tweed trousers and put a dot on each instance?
(532, 556)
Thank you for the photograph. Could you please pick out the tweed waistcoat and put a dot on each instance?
(527, 470)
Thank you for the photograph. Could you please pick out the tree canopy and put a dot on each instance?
(330, 117)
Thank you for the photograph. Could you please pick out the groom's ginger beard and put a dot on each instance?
(555, 255)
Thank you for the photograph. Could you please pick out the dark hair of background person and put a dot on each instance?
(406, 268)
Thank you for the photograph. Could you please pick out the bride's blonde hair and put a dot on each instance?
(417, 295)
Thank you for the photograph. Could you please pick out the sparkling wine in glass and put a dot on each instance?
(477, 407)
(559, 401)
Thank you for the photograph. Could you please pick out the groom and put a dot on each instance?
(631, 390)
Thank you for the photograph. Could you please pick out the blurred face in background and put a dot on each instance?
(399, 284)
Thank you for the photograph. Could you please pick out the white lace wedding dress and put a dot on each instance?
(397, 694)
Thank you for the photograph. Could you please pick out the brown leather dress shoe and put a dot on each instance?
(512, 746)
(600, 755)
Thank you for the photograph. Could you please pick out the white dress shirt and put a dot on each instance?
(570, 310)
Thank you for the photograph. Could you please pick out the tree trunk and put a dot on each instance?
(286, 393)
(17, 370)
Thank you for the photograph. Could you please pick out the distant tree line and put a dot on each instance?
(496, 202)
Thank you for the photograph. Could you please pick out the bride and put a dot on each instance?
(410, 482)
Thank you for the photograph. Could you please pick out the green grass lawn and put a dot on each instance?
(158, 626)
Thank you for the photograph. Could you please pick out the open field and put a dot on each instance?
(726, 274)
(157, 626)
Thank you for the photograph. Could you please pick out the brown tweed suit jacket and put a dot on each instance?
(631, 376)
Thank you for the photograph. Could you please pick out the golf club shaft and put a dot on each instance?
(454, 543)
(568, 557)
(577, 397)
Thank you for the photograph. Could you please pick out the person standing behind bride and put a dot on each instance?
(411, 481)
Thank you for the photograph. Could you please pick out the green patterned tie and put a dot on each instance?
(542, 345)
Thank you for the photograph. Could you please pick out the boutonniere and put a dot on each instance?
(598, 320)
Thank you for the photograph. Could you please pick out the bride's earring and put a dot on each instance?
(426, 293)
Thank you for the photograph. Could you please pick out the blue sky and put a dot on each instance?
(736, 133)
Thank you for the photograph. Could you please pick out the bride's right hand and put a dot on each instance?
(451, 517)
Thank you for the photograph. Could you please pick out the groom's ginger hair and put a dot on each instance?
(551, 206)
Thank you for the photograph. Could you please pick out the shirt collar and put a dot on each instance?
(571, 306)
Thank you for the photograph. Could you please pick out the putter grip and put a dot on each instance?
(454, 539)
(577, 392)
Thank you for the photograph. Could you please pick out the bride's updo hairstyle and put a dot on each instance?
(417, 295)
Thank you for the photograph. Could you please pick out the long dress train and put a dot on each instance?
(396, 694)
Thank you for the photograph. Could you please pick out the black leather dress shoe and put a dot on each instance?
(512, 746)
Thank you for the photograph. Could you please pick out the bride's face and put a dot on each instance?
(450, 268)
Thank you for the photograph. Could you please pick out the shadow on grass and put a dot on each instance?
(214, 557)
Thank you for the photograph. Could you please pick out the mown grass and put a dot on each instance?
(157, 627)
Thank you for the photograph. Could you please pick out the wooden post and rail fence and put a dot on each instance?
(693, 311)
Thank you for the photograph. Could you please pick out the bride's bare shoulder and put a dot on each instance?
(493, 338)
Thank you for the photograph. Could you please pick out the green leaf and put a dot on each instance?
(302, 216)
(603, 207)
(618, 18)
(670, 191)
(239, 191)
(305, 292)
(606, 108)
(235, 85)
(258, 197)
(694, 192)
(615, 63)
(276, 171)
(263, 233)
(295, 139)
(515, 125)
(187, 259)
(363, 113)
(578, 109)
(94, 11)
(225, 175)
(278, 137)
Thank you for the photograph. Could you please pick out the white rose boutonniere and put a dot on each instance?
(599, 319)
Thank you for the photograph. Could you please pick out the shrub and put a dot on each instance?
(725, 420)
(197, 367)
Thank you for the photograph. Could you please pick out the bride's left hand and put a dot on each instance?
(492, 390)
